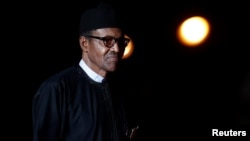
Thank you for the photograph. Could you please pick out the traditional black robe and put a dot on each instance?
(70, 106)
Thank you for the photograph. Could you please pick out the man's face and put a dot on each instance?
(102, 55)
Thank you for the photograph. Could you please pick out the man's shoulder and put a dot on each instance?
(59, 80)
(61, 76)
(65, 73)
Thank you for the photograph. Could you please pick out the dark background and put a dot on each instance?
(170, 90)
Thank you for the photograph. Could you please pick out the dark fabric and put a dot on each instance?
(69, 106)
(102, 16)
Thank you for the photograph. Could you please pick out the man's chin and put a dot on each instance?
(112, 68)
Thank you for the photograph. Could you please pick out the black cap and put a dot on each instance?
(102, 16)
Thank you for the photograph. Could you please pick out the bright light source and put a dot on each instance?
(129, 49)
(193, 31)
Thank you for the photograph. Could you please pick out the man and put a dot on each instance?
(76, 104)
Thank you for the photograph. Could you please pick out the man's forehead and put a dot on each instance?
(111, 31)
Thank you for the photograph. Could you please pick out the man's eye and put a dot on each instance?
(108, 40)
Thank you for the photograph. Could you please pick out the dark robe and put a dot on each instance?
(70, 106)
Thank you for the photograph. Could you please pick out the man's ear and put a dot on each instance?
(83, 43)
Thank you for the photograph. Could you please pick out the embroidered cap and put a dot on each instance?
(102, 16)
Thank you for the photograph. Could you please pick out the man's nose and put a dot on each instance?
(115, 47)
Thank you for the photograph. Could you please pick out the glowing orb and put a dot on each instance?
(193, 31)
(129, 49)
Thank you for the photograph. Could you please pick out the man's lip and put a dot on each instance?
(113, 58)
